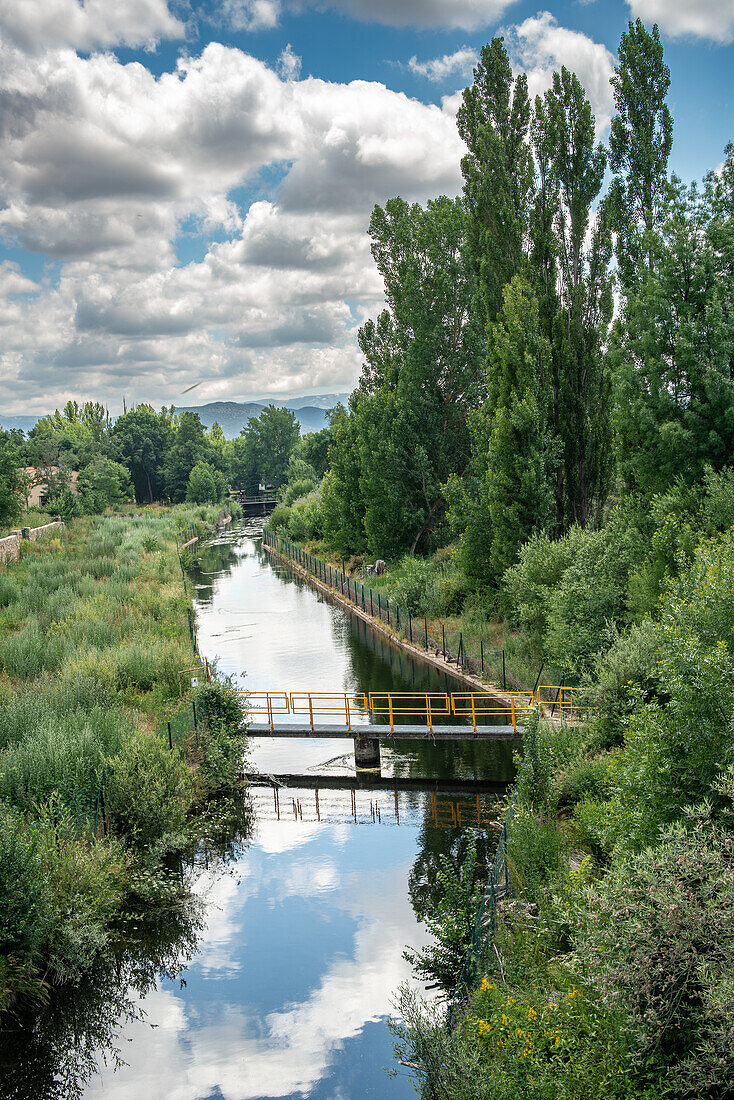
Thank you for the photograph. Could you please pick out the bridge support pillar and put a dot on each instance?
(367, 753)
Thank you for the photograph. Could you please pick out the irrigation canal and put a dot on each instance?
(290, 973)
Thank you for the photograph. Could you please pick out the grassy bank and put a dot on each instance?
(94, 635)
(610, 973)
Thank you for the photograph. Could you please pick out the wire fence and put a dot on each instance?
(499, 887)
(469, 653)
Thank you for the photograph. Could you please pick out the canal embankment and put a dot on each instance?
(314, 572)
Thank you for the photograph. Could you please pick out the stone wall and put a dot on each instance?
(10, 545)
(34, 533)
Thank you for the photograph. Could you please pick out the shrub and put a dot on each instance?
(27, 654)
(527, 586)
(659, 940)
(297, 489)
(590, 596)
(586, 777)
(452, 919)
(279, 518)
(149, 790)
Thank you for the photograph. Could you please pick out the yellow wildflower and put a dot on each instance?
(532, 1014)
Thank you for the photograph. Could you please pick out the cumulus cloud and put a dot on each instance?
(35, 25)
(438, 69)
(539, 46)
(699, 18)
(249, 15)
(289, 64)
(107, 168)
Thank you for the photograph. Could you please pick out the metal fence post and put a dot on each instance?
(481, 650)
(504, 678)
(410, 625)
(425, 627)
(170, 738)
(443, 640)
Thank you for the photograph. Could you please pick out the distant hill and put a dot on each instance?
(25, 423)
(232, 416)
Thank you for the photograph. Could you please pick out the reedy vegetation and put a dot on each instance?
(93, 636)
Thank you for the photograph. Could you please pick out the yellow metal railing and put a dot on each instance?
(566, 699)
(432, 704)
(266, 702)
(473, 704)
(341, 703)
(479, 708)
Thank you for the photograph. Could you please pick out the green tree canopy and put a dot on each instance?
(143, 438)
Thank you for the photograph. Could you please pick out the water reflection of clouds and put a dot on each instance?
(225, 1046)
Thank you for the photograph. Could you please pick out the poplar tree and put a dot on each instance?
(640, 142)
(421, 374)
(582, 297)
(494, 122)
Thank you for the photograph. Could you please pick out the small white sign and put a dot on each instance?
(194, 681)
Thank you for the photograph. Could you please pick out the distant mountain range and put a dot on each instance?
(232, 416)
(25, 423)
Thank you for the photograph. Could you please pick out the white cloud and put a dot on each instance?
(289, 64)
(438, 69)
(103, 167)
(12, 280)
(699, 18)
(37, 24)
(249, 15)
(232, 1049)
(539, 46)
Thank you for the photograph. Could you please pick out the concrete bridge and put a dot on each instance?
(260, 505)
(368, 718)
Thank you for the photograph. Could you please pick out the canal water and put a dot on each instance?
(283, 983)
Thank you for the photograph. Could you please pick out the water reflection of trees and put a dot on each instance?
(53, 1054)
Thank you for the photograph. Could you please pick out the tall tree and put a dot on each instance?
(674, 351)
(188, 447)
(143, 437)
(565, 131)
(494, 122)
(11, 482)
(640, 141)
(508, 495)
(269, 440)
(421, 375)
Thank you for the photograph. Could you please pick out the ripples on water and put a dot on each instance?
(280, 984)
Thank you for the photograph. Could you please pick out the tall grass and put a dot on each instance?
(93, 635)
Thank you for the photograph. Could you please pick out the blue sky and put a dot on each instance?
(186, 186)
